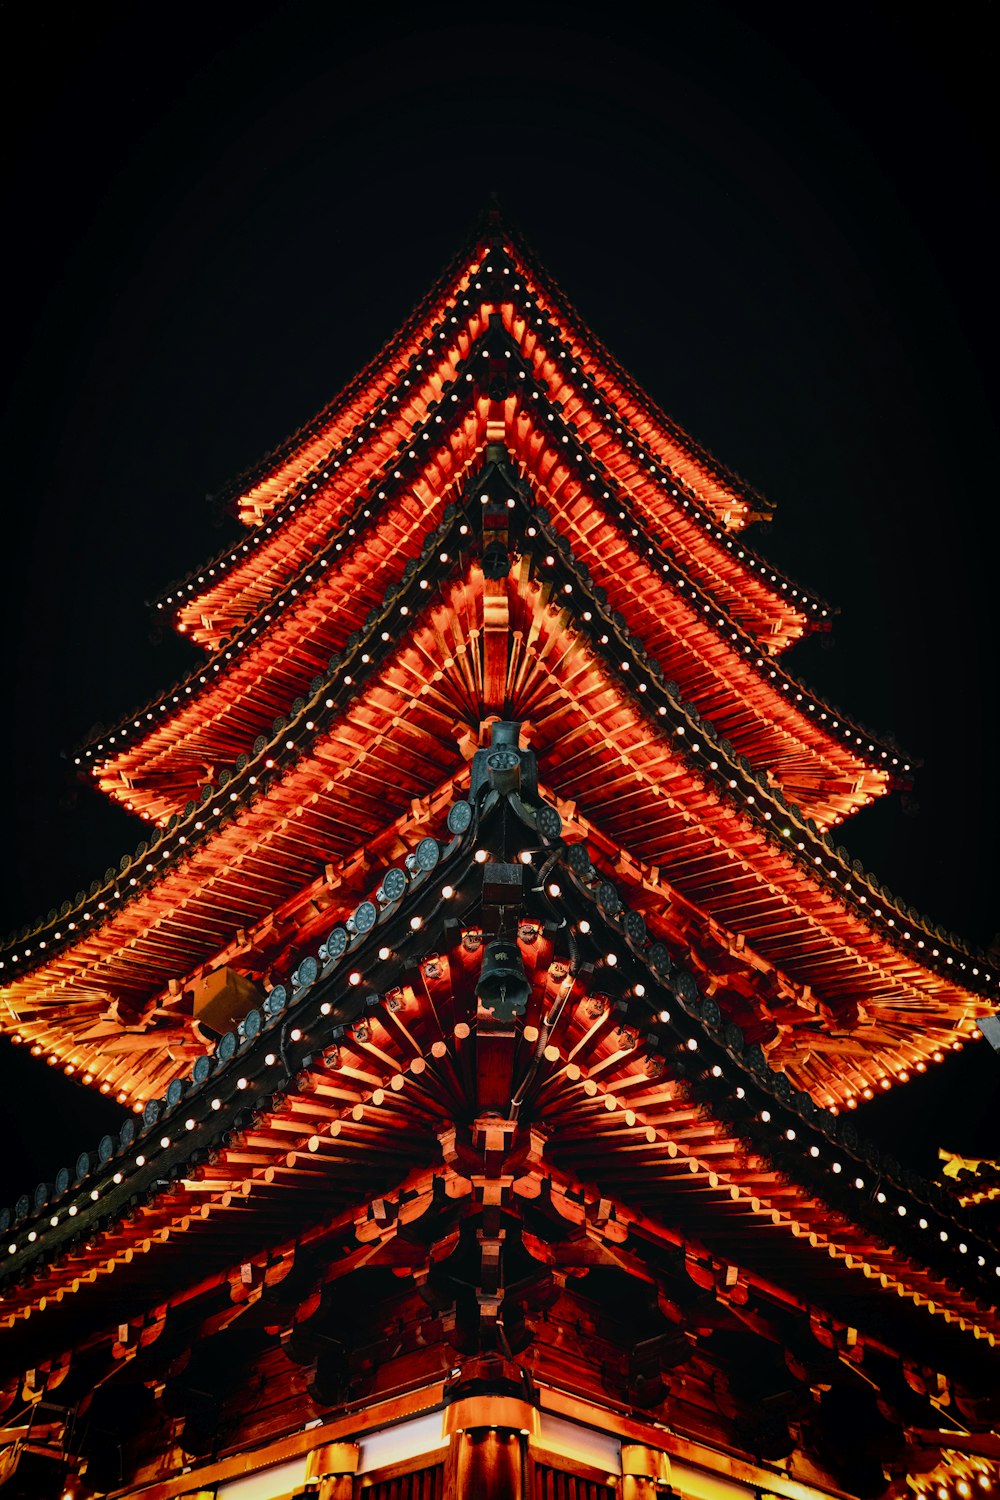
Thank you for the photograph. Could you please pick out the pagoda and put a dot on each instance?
(491, 997)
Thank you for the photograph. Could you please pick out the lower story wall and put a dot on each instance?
(481, 1448)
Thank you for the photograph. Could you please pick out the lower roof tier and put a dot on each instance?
(852, 991)
(391, 1105)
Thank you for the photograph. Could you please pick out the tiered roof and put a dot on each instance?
(104, 984)
(641, 504)
(384, 729)
(154, 759)
(493, 524)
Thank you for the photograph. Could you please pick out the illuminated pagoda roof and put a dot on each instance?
(489, 852)
(640, 503)
(354, 625)
(503, 1161)
(284, 839)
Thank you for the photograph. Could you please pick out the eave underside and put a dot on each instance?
(705, 866)
(392, 1149)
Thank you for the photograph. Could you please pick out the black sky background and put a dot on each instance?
(781, 219)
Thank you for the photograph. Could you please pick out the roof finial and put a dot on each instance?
(492, 217)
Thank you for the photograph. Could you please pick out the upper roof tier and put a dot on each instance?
(497, 272)
(312, 574)
(677, 491)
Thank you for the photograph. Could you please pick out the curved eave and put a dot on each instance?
(208, 721)
(215, 602)
(300, 455)
(765, 987)
(721, 1161)
(778, 610)
(685, 1126)
(822, 760)
(770, 604)
(387, 734)
(734, 502)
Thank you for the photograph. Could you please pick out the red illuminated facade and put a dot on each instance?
(492, 995)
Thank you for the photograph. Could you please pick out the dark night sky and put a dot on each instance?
(780, 219)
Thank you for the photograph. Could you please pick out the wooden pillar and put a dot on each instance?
(496, 640)
(644, 1472)
(488, 1448)
(334, 1465)
(336, 1487)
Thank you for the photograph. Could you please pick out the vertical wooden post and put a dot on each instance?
(496, 644)
(644, 1470)
(486, 1463)
(488, 1453)
(336, 1487)
(334, 1465)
